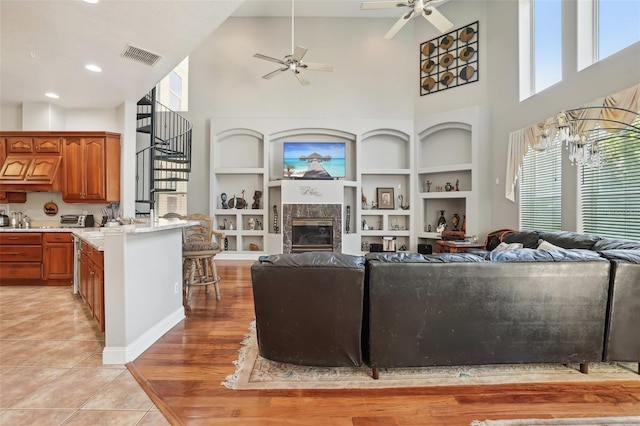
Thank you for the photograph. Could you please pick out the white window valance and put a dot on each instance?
(584, 118)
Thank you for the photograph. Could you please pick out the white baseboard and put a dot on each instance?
(122, 355)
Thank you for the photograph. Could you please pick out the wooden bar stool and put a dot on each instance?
(198, 251)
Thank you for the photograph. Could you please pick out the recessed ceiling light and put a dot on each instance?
(93, 67)
(92, 1)
(51, 95)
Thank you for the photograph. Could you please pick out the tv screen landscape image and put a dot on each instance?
(314, 160)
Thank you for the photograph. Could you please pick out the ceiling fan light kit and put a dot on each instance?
(293, 62)
(425, 8)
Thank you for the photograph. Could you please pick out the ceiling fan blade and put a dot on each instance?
(302, 78)
(298, 53)
(317, 67)
(437, 19)
(274, 73)
(369, 5)
(269, 58)
(398, 25)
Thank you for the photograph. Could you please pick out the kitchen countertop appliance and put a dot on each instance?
(76, 221)
(4, 219)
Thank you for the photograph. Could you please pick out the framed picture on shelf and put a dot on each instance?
(385, 198)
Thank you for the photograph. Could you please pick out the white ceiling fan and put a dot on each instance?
(293, 62)
(426, 8)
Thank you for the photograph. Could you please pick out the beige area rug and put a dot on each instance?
(255, 372)
(589, 421)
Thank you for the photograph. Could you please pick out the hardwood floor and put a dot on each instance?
(183, 370)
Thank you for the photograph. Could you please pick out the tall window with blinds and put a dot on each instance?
(541, 190)
(610, 194)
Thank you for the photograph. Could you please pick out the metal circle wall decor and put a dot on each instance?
(449, 60)
(428, 66)
(466, 53)
(446, 60)
(467, 34)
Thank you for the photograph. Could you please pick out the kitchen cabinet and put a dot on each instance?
(58, 256)
(13, 197)
(84, 166)
(9, 197)
(20, 257)
(36, 258)
(30, 145)
(91, 284)
(27, 169)
(92, 169)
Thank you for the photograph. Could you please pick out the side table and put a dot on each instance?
(455, 246)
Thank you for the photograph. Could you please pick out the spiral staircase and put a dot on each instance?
(163, 154)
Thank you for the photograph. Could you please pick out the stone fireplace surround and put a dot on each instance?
(290, 211)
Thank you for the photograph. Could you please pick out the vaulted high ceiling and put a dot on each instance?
(45, 44)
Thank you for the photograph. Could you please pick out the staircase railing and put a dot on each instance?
(167, 158)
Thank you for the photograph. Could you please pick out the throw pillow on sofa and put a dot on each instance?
(546, 245)
(506, 246)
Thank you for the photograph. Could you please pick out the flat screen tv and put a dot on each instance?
(314, 160)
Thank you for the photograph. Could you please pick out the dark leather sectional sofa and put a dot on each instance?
(580, 304)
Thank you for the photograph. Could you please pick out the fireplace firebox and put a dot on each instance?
(311, 234)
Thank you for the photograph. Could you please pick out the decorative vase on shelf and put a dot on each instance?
(464, 223)
(448, 187)
(455, 220)
(442, 223)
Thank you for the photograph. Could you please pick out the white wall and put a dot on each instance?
(611, 75)
(376, 78)
(371, 78)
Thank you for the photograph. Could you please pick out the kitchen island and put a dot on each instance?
(142, 286)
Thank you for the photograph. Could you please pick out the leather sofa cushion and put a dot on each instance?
(531, 255)
(314, 259)
(628, 256)
(529, 239)
(424, 258)
(569, 239)
(615, 244)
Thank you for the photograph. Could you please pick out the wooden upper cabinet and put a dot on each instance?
(30, 169)
(22, 144)
(85, 166)
(47, 145)
(92, 169)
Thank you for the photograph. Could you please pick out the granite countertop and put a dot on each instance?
(95, 236)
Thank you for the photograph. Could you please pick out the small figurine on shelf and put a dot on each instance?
(257, 195)
(455, 220)
(428, 186)
(457, 184)
(364, 199)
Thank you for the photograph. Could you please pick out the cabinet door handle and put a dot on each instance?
(13, 238)
(14, 253)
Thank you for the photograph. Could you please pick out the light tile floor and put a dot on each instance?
(51, 370)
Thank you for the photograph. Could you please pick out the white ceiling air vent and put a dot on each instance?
(140, 55)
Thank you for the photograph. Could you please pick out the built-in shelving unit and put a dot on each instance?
(449, 151)
(385, 163)
(397, 155)
(239, 166)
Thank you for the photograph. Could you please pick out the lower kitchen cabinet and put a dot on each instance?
(91, 284)
(20, 258)
(36, 258)
(58, 256)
